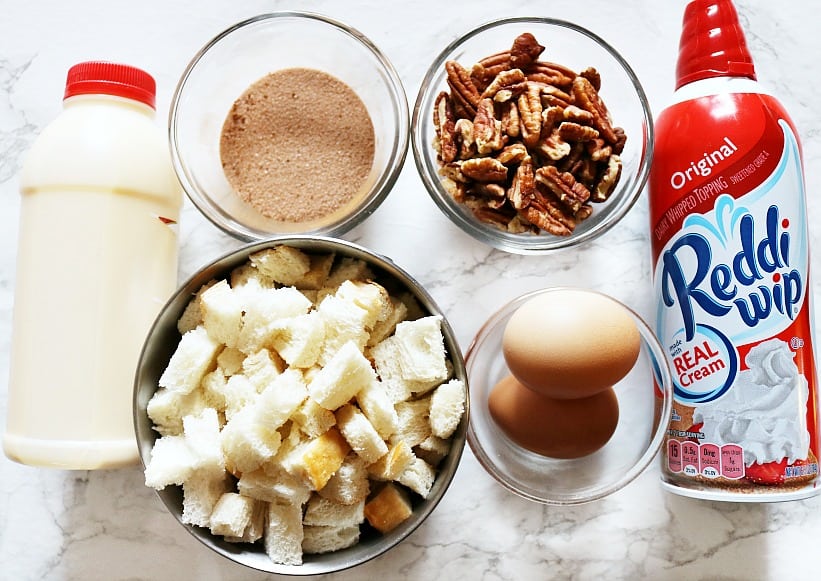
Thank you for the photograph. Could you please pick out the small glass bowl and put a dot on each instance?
(645, 399)
(567, 44)
(244, 53)
(163, 339)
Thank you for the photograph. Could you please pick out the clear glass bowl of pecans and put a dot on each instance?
(271, 134)
(532, 134)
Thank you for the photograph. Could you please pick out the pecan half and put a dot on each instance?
(549, 218)
(570, 131)
(564, 186)
(463, 128)
(523, 186)
(487, 130)
(510, 119)
(513, 153)
(530, 115)
(608, 180)
(525, 50)
(443, 120)
(587, 98)
(463, 91)
(511, 81)
(483, 72)
(484, 169)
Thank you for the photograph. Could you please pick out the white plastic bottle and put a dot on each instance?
(730, 244)
(97, 258)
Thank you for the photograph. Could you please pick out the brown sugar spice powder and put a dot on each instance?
(297, 145)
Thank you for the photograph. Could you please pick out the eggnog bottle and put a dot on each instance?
(97, 258)
(731, 275)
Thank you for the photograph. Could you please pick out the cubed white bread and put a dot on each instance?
(283, 533)
(247, 274)
(272, 483)
(422, 349)
(172, 462)
(230, 360)
(316, 460)
(360, 433)
(200, 493)
(384, 328)
(263, 307)
(386, 357)
(212, 389)
(313, 419)
(192, 359)
(283, 264)
(370, 296)
(246, 444)
(261, 369)
(321, 539)
(238, 393)
(414, 426)
(377, 406)
(345, 374)
(326, 512)
(433, 449)
(419, 477)
(344, 323)
(202, 434)
(389, 508)
(317, 275)
(390, 466)
(231, 515)
(191, 316)
(166, 409)
(280, 399)
(348, 268)
(299, 340)
(222, 313)
(256, 526)
(350, 483)
(447, 405)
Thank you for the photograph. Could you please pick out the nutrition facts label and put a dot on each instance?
(709, 460)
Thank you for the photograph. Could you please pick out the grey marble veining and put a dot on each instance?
(58, 525)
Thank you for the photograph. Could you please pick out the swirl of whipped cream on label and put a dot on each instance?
(765, 412)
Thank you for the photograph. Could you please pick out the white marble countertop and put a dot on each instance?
(108, 525)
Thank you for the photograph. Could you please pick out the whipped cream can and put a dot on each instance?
(731, 276)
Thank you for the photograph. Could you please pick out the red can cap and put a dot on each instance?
(712, 43)
(104, 78)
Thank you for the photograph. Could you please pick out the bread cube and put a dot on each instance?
(192, 359)
(284, 264)
(263, 308)
(447, 404)
(222, 313)
(200, 493)
(191, 317)
(272, 483)
(283, 533)
(171, 462)
(247, 274)
(347, 373)
(344, 323)
(348, 268)
(388, 509)
(166, 409)
(387, 360)
(414, 426)
(313, 419)
(280, 399)
(299, 340)
(232, 514)
(433, 449)
(202, 434)
(318, 272)
(256, 526)
(322, 511)
(390, 466)
(238, 392)
(385, 327)
(360, 433)
(377, 406)
(422, 349)
(419, 477)
(315, 461)
(246, 444)
(371, 297)
(322, 539)
(350, 483)
(261, 368)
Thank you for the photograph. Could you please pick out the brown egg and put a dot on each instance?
(571, 343)
(558, 428)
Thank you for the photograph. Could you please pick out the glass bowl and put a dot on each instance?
(162, 341)
(566, 44)
(241, 55)
(645, 400)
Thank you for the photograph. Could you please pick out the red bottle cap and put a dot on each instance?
(712, 43)
(103, 78)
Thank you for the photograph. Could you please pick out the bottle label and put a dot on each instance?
(731, 268)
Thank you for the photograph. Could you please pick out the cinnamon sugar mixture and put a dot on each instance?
(297, 145)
